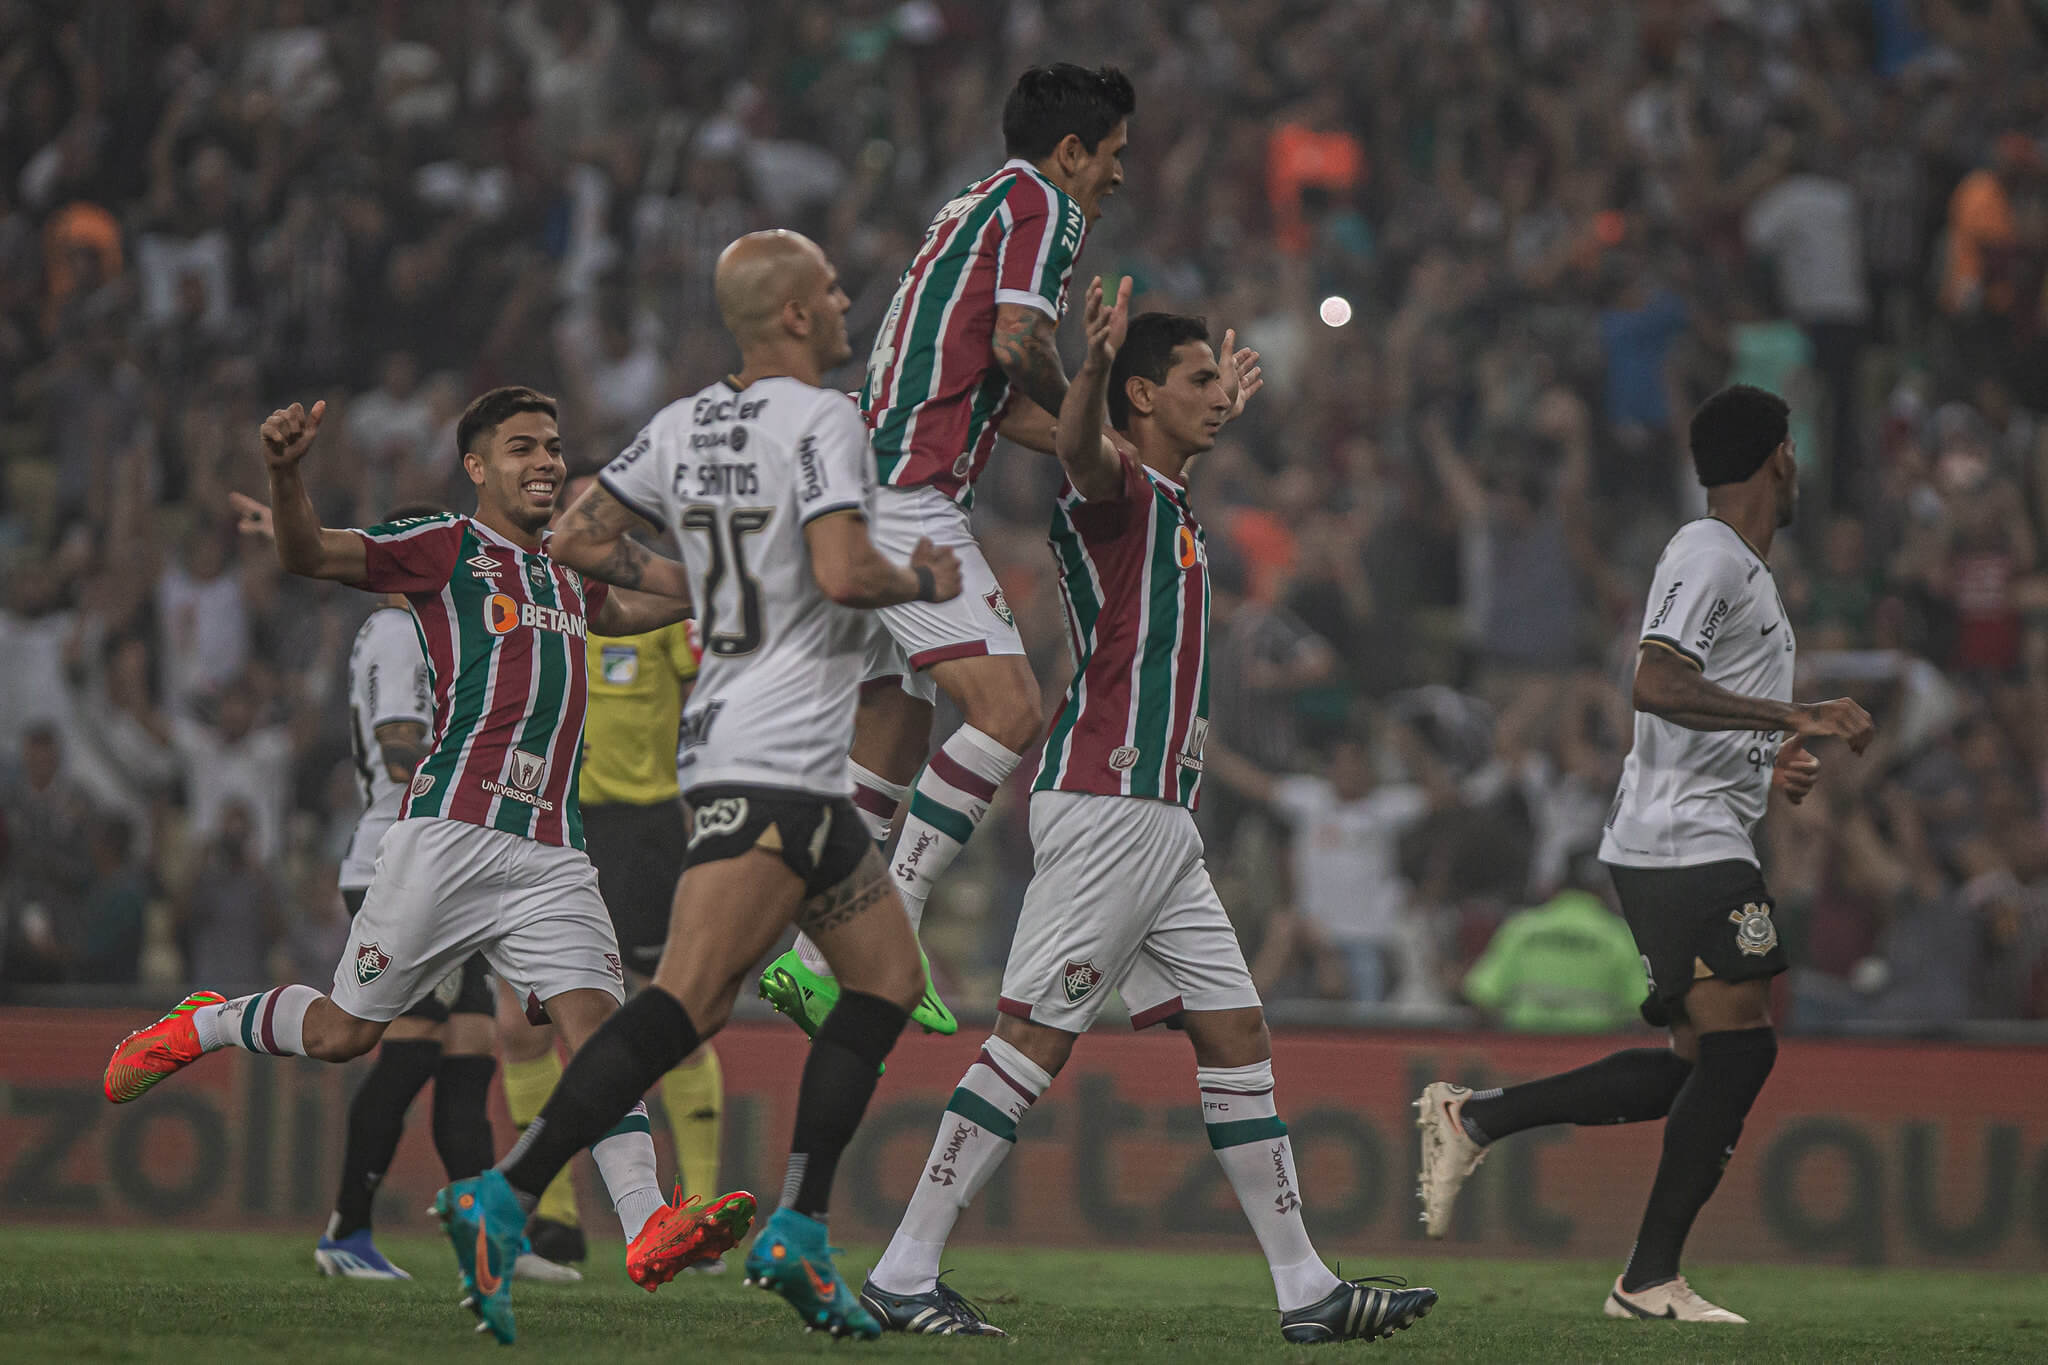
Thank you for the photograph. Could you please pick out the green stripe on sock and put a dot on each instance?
(249, 1025)
(1244, 1131)
(632, 1123)
(977, 1110)
(944, 819)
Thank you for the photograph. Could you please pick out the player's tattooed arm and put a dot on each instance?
(402, 744)
(1023, 346)
(595, 539)
(1092, 465)
(1671, 687)
(859, 893)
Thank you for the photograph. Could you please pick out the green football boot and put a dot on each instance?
(806, 997)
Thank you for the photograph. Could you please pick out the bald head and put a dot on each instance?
(761, 273)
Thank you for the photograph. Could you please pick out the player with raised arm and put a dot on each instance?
(965, 351)
(765, 478)
(1716, 732)
(487, 851)
(1120, 898)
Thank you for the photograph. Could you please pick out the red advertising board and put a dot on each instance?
(1858, 1153)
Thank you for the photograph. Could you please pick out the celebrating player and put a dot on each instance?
(968, 335)
(487, 852)
(1119, 896)
(445, 1038)
(765, 478)
(1716, 731)
(634, 823)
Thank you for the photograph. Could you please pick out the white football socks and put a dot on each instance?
(976, 1133)
(1251, 1142)
(949, 800)
(625, 1158)
(271, 1022)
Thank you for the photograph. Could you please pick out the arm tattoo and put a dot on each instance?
(866, 888)
(626, 565)
(402, 749)
(1024, 349)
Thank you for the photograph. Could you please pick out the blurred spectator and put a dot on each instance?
(202, 629)
(1567, 966)
(227, 917)
(235, 762)
(1349, 894)
(392, 426)
(48, 866)
(110, 932)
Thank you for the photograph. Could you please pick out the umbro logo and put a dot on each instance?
(484, 566)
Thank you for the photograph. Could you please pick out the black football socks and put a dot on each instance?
(462, 1120)
(376, 1121)
(1634, 1086)
(839, 1078)
(605, 1078)
(1699, 1138)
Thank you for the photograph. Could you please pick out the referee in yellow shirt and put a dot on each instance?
(635, 831)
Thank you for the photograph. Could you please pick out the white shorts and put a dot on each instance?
(1121, 900)
(916, 635)
(445, 889)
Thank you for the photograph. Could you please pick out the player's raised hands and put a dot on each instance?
(1841, 719)
(1106, 323)
(1242, 375)
(288, 433)
(1795, 771)
(252, 518)
(944, 566)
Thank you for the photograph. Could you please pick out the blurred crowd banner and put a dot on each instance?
(1860, 1153)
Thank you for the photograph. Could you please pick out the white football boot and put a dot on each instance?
(1673, 1300)
(1449, 1155)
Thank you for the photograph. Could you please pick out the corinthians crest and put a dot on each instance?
(1079, 978)
(1755, 934)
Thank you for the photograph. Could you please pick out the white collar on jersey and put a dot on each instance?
(488, 534)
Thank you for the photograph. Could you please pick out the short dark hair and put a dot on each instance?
(1048, 102)
(490, 410)
(1735, 431)
(1147, 353)
(406, 511)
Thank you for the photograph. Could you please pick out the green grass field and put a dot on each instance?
(164, 1296)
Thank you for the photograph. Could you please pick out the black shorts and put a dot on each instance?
(821, 839)
(638, 853)
(466, 990)
(1691, 923)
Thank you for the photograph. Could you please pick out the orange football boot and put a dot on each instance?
(682, 1235)
(148, 1055)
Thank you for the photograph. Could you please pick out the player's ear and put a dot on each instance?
(1138, 389)
(796, 319)
(473, 465)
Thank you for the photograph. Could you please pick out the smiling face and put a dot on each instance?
(517, 468)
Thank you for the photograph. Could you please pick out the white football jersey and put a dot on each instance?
(737, 474)
(1692, 796)
(388, 681)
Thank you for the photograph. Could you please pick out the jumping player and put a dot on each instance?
(965, 350)
(765, 478)
(487, 852)
(1120, 898)
(1716, 731)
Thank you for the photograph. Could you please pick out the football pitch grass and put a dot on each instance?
(147, 1295)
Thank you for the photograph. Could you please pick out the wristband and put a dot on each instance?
(927, 583)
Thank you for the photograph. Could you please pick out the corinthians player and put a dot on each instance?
(1716, 731)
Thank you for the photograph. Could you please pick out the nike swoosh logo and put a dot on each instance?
(819, 1285)
(1771, 627)
(1669, 1311)
(487, 1284)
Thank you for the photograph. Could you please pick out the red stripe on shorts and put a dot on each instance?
(1147, 1018)
(973, 649)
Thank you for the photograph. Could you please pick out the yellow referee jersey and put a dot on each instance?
(637, 685)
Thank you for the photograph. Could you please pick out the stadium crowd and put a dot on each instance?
(1492, 251)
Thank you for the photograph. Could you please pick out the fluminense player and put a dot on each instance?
(966, 350)
(1120, 898)
(487, 851)
(1716, 731)
(447, 1036)
(765, 479)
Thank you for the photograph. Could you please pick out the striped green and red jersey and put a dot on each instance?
(934, 393)
(1134, 579)
(504, 631)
